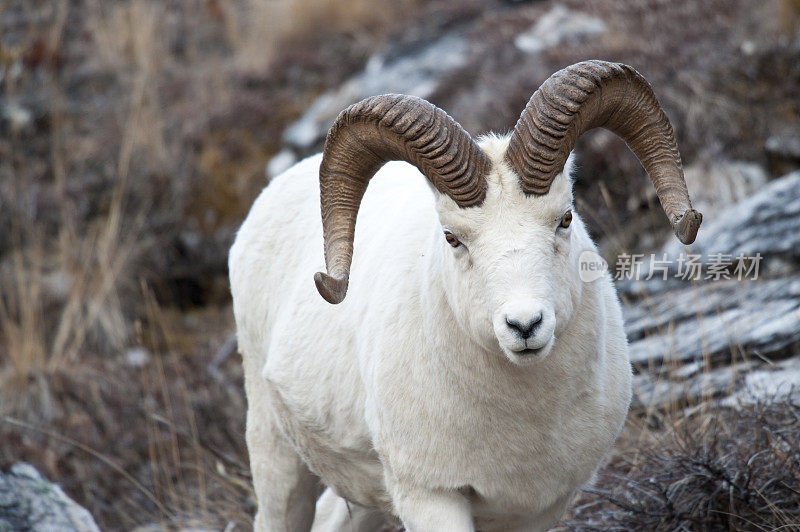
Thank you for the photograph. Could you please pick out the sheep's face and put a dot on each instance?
(511, 276)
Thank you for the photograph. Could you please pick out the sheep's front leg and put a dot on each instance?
(423, 510)
(285, 488)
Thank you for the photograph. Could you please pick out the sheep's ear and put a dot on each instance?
(570, 167)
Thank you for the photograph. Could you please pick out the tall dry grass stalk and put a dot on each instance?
(60, 292)
(22, 317)
(169, 462)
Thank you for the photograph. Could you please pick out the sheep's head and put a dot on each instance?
(510, 263)
(505, 211)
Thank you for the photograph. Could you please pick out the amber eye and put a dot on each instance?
(451, 239)
(566, 219)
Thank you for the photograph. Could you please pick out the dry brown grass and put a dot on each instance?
(711, 468)
(160, 444)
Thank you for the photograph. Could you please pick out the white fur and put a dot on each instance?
(411, 398)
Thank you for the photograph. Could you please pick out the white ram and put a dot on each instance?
(469, 380)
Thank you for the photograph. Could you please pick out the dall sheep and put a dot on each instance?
(470, 380)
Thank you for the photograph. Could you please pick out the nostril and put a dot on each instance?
(525, 329)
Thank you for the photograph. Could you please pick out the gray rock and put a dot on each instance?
(16, 117)
(717, 184)
(137, 357)
(720, 336)
(416, 72)
(28, 502)
(773, 380)
(280, 162)
(734, 385)
(784, 146)
(767, 222)
(716, 320)
(688, 384)
(558, 26)
(783, 151)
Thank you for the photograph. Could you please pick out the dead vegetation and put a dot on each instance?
(713, 468)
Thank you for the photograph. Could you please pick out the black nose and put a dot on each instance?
(524, 329)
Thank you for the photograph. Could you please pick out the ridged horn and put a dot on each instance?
(364, 137)
(609, 95)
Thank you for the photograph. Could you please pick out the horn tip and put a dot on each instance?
(332, 289)
(687, 225)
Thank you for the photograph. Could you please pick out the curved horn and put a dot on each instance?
(364, 137)
(609, 95)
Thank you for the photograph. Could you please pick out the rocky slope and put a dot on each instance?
(30, 502)
(718, 329)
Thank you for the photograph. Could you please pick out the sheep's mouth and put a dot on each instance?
(528, 354)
